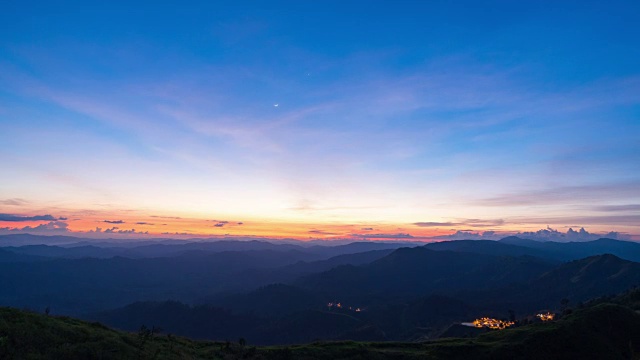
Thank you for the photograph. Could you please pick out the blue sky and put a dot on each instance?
(500, 116)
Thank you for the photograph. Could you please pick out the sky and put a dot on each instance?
(320, 120)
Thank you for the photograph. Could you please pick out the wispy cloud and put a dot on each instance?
(14, 202)
(566, 194)
(321, 232)
(435, 224)
(628, 220)
(617, 208)
(331, 133)
(383, 236)
(463, 222)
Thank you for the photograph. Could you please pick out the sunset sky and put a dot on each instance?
(319, 119)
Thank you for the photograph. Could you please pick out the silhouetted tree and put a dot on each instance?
(144, 334)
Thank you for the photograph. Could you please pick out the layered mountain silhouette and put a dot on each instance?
(280, 293)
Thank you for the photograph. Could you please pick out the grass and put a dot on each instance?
(597, 332)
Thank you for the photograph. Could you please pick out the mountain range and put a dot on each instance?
(280, 293)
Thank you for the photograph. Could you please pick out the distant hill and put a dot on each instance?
(583, 279)
(289, 273)
(76, 252)
(514, 246)
(77, 286)
(491, 247)
(420, 271)
(577, 281)
(359, 247)
(628, 250)
(7, 256)
(76, 247)
(29, 239)
(76, 280)
(272, 300)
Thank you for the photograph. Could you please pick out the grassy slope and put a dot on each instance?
(602, 331)
(26, 335)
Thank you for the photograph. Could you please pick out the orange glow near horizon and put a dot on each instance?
(139, 224)
(105, 225)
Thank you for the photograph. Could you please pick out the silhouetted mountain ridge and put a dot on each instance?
(628, 250)
(418, 271)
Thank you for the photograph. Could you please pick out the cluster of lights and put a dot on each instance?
(492, 323)
(546, 316)
(340, 306)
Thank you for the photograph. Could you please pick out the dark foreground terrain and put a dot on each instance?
(603, 329)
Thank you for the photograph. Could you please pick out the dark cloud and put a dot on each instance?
(320, 232)
(113, 221)
(240, 223)
(434, 224)
(63, 218)
(367, 229)
(220, 223)
(116, 230)
(14, 202)
(52, 227)
(10, 217)
(482, 222)
(144, 223)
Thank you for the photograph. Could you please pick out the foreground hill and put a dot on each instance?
(602, 331)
